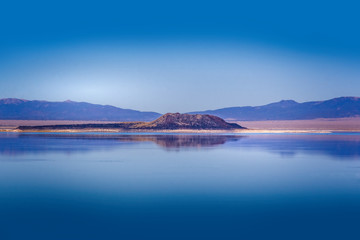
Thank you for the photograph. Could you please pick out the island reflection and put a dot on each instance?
(339, 146)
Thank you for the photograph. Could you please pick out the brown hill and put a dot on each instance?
(189, 121)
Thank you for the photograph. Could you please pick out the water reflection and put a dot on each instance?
(344, 146)
(12, 144)
(187, 141)
(340, 146)
(120, 186)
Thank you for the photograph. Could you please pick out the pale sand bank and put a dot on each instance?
(326, 124)
(244, 131)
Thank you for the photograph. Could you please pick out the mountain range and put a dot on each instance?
(20, 109)
(342, 107)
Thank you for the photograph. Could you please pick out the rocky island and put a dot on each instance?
(169, 121)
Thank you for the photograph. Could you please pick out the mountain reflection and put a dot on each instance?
(338, 146)
(186, 141)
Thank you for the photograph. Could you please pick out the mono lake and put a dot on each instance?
(165, 186)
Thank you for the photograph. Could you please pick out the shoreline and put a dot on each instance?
(243, 131)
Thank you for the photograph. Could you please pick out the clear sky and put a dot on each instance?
(179, 56)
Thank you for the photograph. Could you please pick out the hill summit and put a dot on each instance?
(190, 121)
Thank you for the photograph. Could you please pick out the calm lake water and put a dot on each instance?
(118, 186)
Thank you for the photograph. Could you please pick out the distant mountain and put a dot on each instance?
(169, 121)
(20, 109)
(290, 110)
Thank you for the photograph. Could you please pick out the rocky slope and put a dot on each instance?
(189, 121)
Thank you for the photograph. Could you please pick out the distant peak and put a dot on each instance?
(69, 101)
(346, 98)
(340, 100)
(288, 101)
(12, 101)
(283, 103)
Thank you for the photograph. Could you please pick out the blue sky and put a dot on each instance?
(170, 56)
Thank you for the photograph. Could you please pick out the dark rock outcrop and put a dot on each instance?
(190, 121)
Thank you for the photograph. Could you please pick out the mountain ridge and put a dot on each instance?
(21, 109)
(341, 107)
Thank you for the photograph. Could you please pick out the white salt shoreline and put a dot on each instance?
(243, 131)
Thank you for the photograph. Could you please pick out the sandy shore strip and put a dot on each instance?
(326, 124)
(185, 131)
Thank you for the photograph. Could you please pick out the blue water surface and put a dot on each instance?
(164, 186)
